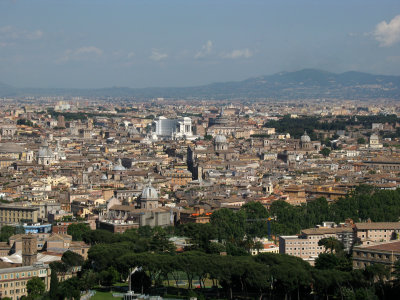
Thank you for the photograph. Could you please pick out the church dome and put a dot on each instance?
(374, 136)
(220, 139)
(149, 193)
(119, 166)
(305, 138)
(44, 150)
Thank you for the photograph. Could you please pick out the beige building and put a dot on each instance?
(13, 214)
(376, 232)
(306, 246)
(13, 280)
(384, 253)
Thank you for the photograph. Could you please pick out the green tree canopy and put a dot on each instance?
(35, 287)
(78, 230)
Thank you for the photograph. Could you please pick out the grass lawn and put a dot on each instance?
(103, 296)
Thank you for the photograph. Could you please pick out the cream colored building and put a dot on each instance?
(306, 246)
(13, 214)
(377, 232)
(13, 280)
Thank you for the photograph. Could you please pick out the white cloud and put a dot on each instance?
(82, 53)
(11, 33)
(35, 35)
(5, 44)
(388, 34)
(238, 53)
(156, 55)
(205, 50)
(89, 50)
(131, 54)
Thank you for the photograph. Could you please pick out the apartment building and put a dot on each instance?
(386, 253)
(306, 246)
(13, 280)
(376, 232)
(14, 214)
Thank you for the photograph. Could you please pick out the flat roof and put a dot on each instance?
(24, 269)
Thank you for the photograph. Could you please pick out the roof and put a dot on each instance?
(378, 225)
(25, 268)
(326, 230)
(390, 246)
(10, 148)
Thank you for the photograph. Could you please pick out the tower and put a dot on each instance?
(29, 156)
(29, 250)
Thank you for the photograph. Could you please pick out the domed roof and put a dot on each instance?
(119, 166)
(44, 150)
(104, 177)
(133, 130)
(305, 138)
(149, 193)
(374, 136)
(220, 139)
(10, 148)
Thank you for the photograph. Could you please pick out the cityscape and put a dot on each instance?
(244, 186)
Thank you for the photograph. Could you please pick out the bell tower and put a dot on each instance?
(29, 250)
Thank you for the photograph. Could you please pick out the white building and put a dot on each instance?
(178, 128)
(374, 142)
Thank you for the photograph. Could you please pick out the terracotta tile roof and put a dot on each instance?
(391, 246)
(378, 225)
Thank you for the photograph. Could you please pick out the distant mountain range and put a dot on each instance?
(303, 84)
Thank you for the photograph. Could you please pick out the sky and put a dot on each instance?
(146, 43)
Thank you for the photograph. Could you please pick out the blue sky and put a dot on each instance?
(53, 43)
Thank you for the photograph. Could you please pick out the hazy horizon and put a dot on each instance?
(96, 44)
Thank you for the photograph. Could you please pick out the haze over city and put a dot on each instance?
(93, 44)
(182, 149)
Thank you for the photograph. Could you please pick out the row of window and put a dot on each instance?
(301, 243)
(18, 283)
(17, 291)
(375, 255)
(18, 275)
(309, 248)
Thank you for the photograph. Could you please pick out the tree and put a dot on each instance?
(88, 279)
(325, 152)
(361, 141)
(78, 230)
(93, 237)
(160, 243)
(199, 234)
(326, 261)
(6, 232)
(70, 288)
(53, 285)
(230, 225)
(256, 219)
(72, 259)
(331, 244)
(109, 277)
(35, 287)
